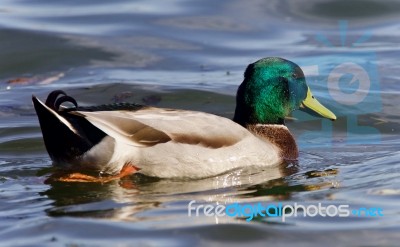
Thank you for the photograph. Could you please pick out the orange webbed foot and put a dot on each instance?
(127, 169)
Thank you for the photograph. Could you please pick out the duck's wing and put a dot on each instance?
(151, 126)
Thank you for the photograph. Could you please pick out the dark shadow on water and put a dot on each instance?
(25, 52)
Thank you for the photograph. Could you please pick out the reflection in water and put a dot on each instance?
(138, 197)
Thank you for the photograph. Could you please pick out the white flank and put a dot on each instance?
(173, 158)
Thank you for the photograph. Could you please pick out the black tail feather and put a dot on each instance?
(54, 102)
(66, 136)
(51, 99)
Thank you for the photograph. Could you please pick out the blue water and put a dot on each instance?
(191, 55)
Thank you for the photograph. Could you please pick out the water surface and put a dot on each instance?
(191, 55)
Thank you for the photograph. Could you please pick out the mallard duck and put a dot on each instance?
(118, 140)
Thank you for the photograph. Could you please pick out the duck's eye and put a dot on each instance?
(294, 75)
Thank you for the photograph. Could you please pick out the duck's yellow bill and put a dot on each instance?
(312, 103)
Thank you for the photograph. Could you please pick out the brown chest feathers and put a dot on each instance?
(278, 135)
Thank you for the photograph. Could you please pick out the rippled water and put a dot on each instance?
(191, 55)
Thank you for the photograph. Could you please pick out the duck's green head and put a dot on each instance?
(272, 88)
